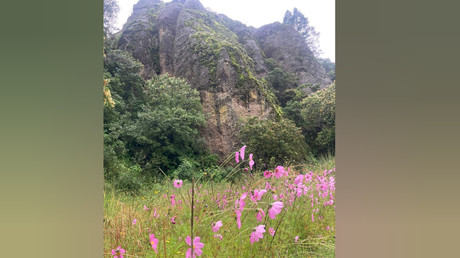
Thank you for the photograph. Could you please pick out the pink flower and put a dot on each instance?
(298, 179)
(257, 233)
(242, 152)
(145, 208)
(217, 226)
(271, 231)
(218, 236)
(237, 157)
(260, 215)
(195, 248)
(238, 218)
(279, 171)
(173, 220)
(267, 174)
(239, 204)
(275, 209)
(173, 201)
(118, 253)
(134, 221)
(296, 238)
(327, 228)
(251, 162)
(257, 195)
(153, 242)
(178, 183)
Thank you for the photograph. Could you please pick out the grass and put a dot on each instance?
(216, 202)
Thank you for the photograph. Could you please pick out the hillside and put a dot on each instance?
(226, 61)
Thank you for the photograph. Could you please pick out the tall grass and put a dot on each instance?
(212, 202)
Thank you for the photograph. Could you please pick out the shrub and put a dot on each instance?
(130, 180)
(279, 142)
(186, 170)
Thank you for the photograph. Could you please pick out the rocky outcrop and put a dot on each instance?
(285, 45)
(223, 59)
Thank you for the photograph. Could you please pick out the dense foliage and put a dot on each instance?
(150, 127)
(315, 114)
(277, 142)
(167, 125)
(280, 82)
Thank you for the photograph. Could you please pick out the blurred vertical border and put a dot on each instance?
(51, 128)
(397, 125)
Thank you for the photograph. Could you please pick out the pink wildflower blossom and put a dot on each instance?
(237, 157)
(296, 238)
(279, 171)
(251, 161)
(178, 183)
(217, 226)
(298, 180)
(145, 208)
(134, 221)
(153, 242)
(118, 253)
(271, 231)
(238, 218)
(194, 249)
(218, 236)
(242, 152)
(275, 209)
(173, 201)
(257, 233)
(260, 214)
(267, 174)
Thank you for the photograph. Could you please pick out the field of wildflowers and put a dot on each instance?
(283, 212)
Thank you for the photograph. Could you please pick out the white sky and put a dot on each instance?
(256, 13)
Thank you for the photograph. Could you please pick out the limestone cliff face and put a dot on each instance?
(223, 59)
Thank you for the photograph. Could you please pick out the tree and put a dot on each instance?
(318, 115)
(274, 142)
(166, 130)
(301, 24)
(315, 115)
(111, 10)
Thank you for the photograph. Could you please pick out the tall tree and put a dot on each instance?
(300, 23)
(111, 10)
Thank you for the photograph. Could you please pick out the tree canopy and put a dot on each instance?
(300, 23)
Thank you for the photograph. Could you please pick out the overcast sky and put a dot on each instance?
(256, 13)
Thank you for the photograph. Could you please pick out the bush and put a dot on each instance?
(277, 142)
(318, 120)
(130, 180)
(186, 170)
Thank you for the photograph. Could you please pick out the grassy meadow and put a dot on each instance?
(285, 212)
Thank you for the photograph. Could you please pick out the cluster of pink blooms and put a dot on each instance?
(318, 188)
